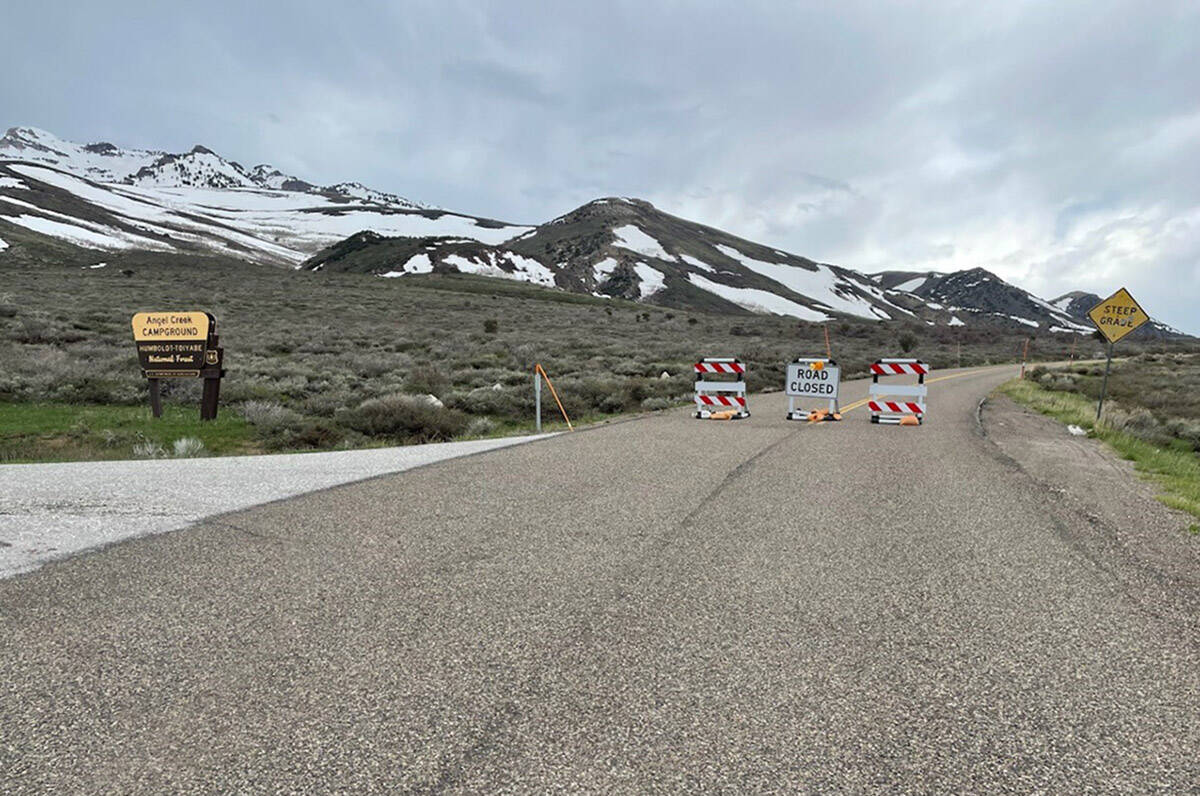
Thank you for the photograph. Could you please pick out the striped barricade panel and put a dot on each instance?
(899, 367)
(889, 403)
(719, 366)
(720, 396)
(897, 406)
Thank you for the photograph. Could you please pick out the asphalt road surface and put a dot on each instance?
(660, 605)
(50, 511)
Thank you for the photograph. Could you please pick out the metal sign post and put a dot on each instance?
(1104, 384)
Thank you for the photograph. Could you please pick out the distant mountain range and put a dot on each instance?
(103, 197)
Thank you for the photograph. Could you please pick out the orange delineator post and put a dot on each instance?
(553, 392)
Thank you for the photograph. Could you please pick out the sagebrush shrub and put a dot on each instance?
(187, 448)
(403, 417)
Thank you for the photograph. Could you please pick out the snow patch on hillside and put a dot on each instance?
(3, 245)
(417, 264)
(761, 301)
(650, 280)
(524, 269)
(281, 225)
(954, 321)
(602, 270)
(912, 284)
(703, 266)
(821, 285)
(633, 238)
(94, 238)
(12, 182)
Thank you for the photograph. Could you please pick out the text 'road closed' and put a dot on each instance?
(819, 382)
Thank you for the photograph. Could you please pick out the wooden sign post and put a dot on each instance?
(178, 345)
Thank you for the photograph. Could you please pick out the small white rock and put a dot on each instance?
(1076, 431)
(497, 386)
(433, 400)
(664, 375)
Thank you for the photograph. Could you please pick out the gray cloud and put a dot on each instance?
(1055, 143)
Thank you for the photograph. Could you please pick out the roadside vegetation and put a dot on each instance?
(325, 361)
(1151, 416)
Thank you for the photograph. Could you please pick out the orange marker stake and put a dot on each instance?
(550, 384)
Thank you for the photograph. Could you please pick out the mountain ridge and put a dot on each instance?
(104, 197)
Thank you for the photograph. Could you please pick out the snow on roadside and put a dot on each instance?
(761, 301)
(633, 238)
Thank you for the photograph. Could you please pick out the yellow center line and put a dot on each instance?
(864, 401)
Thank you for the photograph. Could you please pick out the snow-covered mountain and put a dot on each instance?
(200, 167)
(979, 296)
(105, 197)
(628, 248)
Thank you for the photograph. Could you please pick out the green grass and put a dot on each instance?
(1176, 472)
(67, 432)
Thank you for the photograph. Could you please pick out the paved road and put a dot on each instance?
(655, 606)
(50, 511)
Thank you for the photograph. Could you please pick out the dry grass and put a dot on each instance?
(307, 353)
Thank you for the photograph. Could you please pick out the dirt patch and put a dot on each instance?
(1104, 510)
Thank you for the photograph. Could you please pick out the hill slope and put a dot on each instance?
(627, 248)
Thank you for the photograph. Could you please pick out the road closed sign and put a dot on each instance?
(1118, 315)
(812, 380)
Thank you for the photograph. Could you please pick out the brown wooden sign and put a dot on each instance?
(171, 345)
(174, 345)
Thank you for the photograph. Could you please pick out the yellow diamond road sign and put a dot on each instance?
(1117, 315)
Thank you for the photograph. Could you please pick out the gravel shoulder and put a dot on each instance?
(1104, 509)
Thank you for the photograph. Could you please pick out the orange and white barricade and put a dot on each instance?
(896, 403)
(721, 399)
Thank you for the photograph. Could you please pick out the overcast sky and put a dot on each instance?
(1057, 144)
